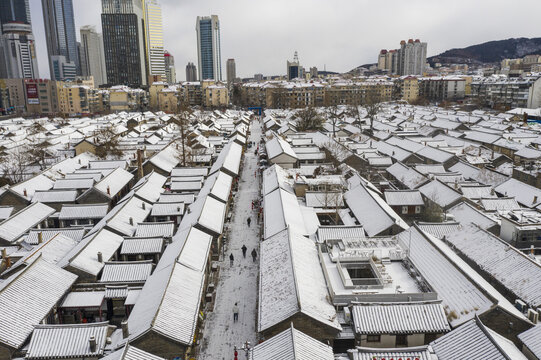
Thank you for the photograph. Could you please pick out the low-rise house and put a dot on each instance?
(407, 203)
(281, 153)
(372, 212)
(34, 215)
(31, 297)
(395, 325)
(62, 342)
(292, 289)
(82, 214)
(291, 344)
(465, 214)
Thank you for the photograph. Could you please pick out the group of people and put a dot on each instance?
(244, 249)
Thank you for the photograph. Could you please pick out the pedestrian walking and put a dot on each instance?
(244, 249)
(235, 313)
(249, 221)
(231, 258)
(254, 254)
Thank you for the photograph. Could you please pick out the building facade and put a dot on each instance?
(124, 42)
(411, 57)
(154, 39)
(442, 88)
(92, 55)
(60, 34)
(170, 71)
(500, 91)
(231, 71)
(294, 69)
(62, 68)
(14, 11)
(17, 52)
(208, 48)
(191, 72)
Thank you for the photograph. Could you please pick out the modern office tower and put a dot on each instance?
(294, 69)
(92, 55)
(411, 57)
(62, 69)
(17, 52)
(231, 71)
(124, 42)
(170, 71)
(60, 32)
(14, 11)
(208, 48)
(191, 72)
(154, 38)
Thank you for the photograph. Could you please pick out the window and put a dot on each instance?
(373, 338)
(402, 340)
(417, 209)
(404, 209)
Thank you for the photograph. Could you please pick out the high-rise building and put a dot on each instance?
(92, 55)
(231, 71)
(411, 57)
(294, 69)
(60, 33)
(258, 77)
(124, 42)
(63, 69)
(314, 73)
(17, 52)
(154, 38)
(191, 72)
(208, 48)
(14, 11)
(170, 71)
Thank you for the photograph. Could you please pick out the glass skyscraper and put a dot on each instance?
(122, 22)
(60, 33)
(154, 38)
(208, 48)
(14, 11)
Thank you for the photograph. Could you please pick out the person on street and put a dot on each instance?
(235, 313)
(249, 221)
(244, 248)
(231, 258)
(254, 254)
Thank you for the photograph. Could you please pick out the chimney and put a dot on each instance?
(492, 155)
(40, 237)
(535, 199)
(8, 262)
(139, 164)
(532, 251)
(143, 204)
(131, 221)
(79, 161)
(125, 332)
(100, 257)
(25, 193)
(92, 343)
(479, 151)
(108, 190)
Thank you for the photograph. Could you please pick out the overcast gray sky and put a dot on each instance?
(339, 34)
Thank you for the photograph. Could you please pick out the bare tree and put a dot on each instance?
(308, 119)
(334, 115)
(372, 105)
(182, 120)
(39, 153)
(15, 165)
(107, 142)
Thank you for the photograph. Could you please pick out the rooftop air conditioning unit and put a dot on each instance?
(347, 315)
(533, 316)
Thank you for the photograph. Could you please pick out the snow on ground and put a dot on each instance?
(238, 283)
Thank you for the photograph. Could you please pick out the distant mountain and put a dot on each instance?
(489, 52)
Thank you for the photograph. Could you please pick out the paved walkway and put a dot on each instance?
(238, 283)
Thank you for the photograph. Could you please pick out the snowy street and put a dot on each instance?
(237, 283)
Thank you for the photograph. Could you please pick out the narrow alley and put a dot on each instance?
(237, 283)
